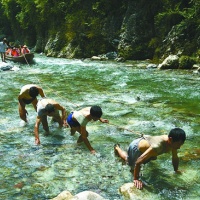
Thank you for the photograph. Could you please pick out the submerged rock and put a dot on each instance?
(5, 66)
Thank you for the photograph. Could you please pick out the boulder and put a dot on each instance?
(151, 66)
(95, 58)
(86, 195)
(171, 62)
(5, 66)
(65, 195)
(130, 192)
(111, 55)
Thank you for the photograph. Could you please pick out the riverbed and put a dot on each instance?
(134, 99)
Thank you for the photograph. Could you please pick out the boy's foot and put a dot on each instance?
(115, 149)
(79, 140)
(72, 132)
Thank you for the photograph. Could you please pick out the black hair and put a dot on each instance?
(33, 91)
(177, 134)
(49, 108)
(96, 111)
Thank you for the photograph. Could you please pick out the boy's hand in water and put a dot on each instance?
(103, 120)
(138, 184)
(65, 124)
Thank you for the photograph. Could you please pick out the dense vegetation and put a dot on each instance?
(75, 28)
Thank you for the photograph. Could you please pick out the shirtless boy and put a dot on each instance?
(28, 94)
(48, 107)
(147, 148)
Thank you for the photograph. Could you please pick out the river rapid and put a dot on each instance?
(134, 99)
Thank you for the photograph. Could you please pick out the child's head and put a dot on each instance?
(49, 108)
(177, 134)
(176, 138)
(96, 112)
(33, 91)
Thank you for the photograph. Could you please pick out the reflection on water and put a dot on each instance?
(133, 99)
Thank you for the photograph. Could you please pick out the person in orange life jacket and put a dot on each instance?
(15, 52)
(25, 50)
(147, 148)
(9, 51)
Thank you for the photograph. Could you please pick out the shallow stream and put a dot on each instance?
(134, 99)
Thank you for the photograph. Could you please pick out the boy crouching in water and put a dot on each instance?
(147, 148)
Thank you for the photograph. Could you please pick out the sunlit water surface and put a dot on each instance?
(134, 99)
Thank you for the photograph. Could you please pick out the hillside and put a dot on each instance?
(80, 29)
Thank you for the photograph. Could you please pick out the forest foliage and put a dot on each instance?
(92, 25)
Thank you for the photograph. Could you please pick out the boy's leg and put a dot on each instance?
(122, 154)
(80, 139)
(34, 102)
(45, 124)
(57, 118)
(22, 112)
(4, 57)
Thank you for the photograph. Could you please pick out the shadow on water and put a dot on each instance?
(134, 100)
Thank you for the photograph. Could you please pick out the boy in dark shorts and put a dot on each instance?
(78, 120)
(147, 148)
(28, 94)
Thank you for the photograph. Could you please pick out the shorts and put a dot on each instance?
(71, 122)
(28, 101)
(133, 152)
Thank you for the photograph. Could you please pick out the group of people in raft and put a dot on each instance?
(17, 51)
(140, 150)
(7, 49)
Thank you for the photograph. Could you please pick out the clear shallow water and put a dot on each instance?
(132, 98)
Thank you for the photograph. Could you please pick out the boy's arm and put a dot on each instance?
(41, 92)
(20, 97)
(103, 120)
(64, 113)
(84, 136)
(36, 130)
(144, 157)
(175, 160)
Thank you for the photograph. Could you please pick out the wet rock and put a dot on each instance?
(111, 55)
(171, 62)
(196, 69)
(65, 195)
(151, 66)
(130, 192)
(86, 195)
(5, 66)
(98, 58)
(95, 58)
(120, 59)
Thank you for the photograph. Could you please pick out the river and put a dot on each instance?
(133, 98)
